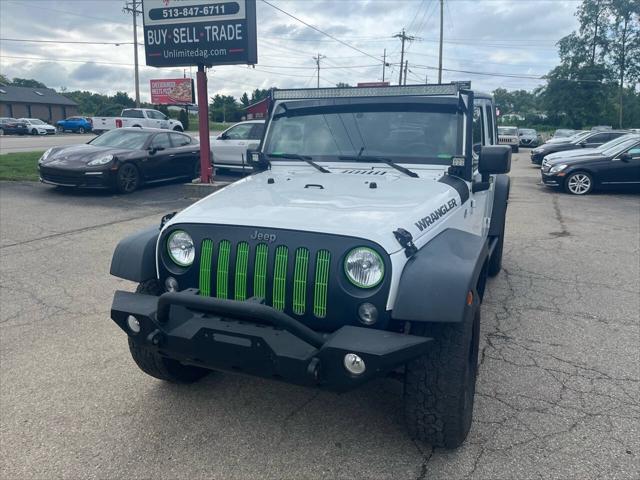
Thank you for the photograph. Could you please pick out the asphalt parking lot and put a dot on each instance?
(558, 393)
(30, 143)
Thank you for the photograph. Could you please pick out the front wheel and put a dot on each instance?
(439, 387)
(127, 178)
(60, 129)
(81, 130)
(155, 364)
(34, 132)
(578, 183)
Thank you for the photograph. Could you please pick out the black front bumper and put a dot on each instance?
(76, 178)
(249, 337)
(552, 180)
(537, 158)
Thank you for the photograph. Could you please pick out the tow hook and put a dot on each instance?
(405, 239)
(155, 337)
(313, 368)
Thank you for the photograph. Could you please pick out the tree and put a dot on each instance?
(258, 94)
(27, 82)
(225, 108)
(342, 85)
(4, 80)
(244, 99)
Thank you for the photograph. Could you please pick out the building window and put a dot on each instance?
(29, 111)
(50, 113)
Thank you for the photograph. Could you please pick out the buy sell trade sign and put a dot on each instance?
(181, 33)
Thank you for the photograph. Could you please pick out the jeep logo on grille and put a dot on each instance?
(269, 237)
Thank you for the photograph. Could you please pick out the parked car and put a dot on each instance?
(75, 124)
(583, 152)
(38, 127)
(577, 134)
(615, 167)
(509, 136)
(122, 159)
(588, 140)
(229, 149)
(10, 126)
(136, 117)
(601, 128)
(563, 133)
(528, 137)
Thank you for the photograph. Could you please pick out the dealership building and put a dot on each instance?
(42, 103)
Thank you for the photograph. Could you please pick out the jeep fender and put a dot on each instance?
(500, 202)
(135, 256)
(436, 281)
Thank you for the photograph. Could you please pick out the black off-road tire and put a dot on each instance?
(155, 364)
(439, 387)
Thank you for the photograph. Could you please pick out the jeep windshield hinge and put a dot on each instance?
(406, 240)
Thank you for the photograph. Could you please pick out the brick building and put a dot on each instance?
(42, 103)
(258, 110)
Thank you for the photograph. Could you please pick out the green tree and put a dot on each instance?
(244, 99)
(342, 85)
(27, 82)
(4, 80)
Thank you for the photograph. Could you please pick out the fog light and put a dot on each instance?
(171, 284)
(133, 324)
(354, 364)
(368, 313)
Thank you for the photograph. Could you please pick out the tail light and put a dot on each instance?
(118, 123)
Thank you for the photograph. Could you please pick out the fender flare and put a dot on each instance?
(435, 282)
(135, 256)
(500, 202)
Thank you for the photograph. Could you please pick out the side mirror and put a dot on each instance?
(257, 160)
(223, 136)
(626, 157)
(494, 159)
(582, 143)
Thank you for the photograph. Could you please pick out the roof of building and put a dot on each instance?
(9, 93)
(255, 104)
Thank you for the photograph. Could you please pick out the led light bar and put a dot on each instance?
(405, 90)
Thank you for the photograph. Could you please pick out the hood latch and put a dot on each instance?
(406, 240)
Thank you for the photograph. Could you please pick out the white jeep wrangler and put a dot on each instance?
(360, 248)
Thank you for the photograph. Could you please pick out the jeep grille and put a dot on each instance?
(290, 272)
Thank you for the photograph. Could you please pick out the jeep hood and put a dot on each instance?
(335, 203)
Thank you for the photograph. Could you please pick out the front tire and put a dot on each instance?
(127, 178)
(156, 365)
(81, 130)
(439, 387)
(34, 132)
(578, 183)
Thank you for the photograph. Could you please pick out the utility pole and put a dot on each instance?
(406, 67)
(440, 57)
(405, 38)
(384, 62)
(317, 59)
(132, 7)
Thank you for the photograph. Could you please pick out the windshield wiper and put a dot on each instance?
(371, 158)
(304, 158)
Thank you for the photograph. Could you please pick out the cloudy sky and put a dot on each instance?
(511, 40)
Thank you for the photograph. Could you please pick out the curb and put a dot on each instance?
(199, 190)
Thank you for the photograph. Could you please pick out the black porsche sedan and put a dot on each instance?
(122, 159)
(618, 166)
(591, 139)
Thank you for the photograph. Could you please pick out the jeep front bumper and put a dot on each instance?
(249, 337)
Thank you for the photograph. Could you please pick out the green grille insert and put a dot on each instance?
(242, 261)
(206, 252)
(280, 277)
(260, 271)
(323, 259)
(222, 279)
(300, 281)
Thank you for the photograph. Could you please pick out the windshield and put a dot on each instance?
(507, 131)
(618, 145)
(121, 139)
(564, 133)
(527, 131)
(401, 136)
(34, 121)
(578, 136)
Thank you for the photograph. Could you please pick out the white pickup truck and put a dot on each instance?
(136, 117)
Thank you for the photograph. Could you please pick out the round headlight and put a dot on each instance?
(180, 248)
(364, 267)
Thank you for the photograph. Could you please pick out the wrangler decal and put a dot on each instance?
(433, 217)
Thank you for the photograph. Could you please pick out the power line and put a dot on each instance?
(25, 40)
(321, 31)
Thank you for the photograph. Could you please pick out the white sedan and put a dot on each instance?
(229, 149)
(38, 127)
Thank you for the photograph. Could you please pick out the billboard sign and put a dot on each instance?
(172, 91)
(181, 33)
